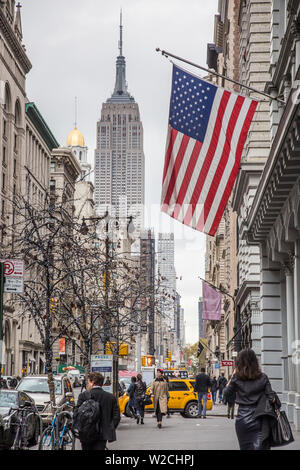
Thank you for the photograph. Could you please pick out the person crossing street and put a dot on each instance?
(159, 392)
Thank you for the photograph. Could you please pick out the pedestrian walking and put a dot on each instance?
(131, 393)
(221, 384)
(230, 402)
(140, 390)
(13, 382)
(213, 389)
(83, 384)
(168, 411)
(3, 383)
(159, 392)
(108, 416)
(202, 385)
(252, 391)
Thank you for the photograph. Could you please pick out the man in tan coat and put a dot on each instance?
(159, 392)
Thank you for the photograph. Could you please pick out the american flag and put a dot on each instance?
(208, 126)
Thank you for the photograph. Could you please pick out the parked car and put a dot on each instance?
(183, 399)
(10, 401)
(36, 386)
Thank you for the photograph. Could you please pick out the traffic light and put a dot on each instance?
(148, 361)
(54, 305)
(106, 281)
(123, 348)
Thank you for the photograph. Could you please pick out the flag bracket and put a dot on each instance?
(167, 54)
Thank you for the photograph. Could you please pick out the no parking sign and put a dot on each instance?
(14, 276)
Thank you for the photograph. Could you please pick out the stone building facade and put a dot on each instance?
(254, 65)
(273, 219)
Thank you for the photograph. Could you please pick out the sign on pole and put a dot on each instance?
(103, 363)
(227, 363)
(14, 276)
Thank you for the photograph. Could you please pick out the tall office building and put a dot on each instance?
(167, 273)
(119, 156)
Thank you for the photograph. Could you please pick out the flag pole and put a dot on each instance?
(167, 54)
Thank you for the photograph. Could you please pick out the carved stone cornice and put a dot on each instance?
(279, 176)
(288, 265)
(16, 46)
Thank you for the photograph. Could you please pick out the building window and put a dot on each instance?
(4, 128)
(15, 143)
(3, 181)
(4, 156)
(52, 167)
(52, 185)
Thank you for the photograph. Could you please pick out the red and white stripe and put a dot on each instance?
(198, 177)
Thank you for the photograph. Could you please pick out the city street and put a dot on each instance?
(216, 432)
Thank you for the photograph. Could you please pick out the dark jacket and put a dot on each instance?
(221, 383)
(110, 412)
(131, 393)
(256, 394)
(140, 389)
(213, 385)
(202, 383)
(248, 392)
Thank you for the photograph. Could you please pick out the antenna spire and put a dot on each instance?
(121, 35)
(75, 111)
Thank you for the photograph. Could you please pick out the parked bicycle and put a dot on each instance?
(58, 435)
(27, 425)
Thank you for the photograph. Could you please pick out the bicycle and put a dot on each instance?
(58, 435)
(22, 416)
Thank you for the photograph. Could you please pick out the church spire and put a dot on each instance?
(120, 93)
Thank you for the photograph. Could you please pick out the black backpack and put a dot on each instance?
(86, 420)
(140, 389)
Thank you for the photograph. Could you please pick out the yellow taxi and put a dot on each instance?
(183, 399)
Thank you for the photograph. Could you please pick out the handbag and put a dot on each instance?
(147, 400)
(281, 432)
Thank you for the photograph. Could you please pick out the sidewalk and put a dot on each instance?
(220, 410)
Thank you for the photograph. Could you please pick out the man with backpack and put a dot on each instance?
(96, 415)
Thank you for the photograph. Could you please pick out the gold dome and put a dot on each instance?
(75, 139)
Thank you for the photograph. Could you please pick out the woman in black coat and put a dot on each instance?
(249, 387)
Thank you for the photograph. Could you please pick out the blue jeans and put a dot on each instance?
(214, 397)
(202, 396)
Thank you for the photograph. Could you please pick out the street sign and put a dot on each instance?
(227, 363)
(217, 365)
(103, 363)
(14, 276)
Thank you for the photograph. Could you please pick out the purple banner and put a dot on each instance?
(211, 303)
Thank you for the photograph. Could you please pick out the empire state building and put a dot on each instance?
(119, 156)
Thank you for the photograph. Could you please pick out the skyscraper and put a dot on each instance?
(119, 156)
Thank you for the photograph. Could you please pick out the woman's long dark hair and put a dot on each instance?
(247, 367)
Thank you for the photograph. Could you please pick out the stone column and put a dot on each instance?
(290, 340)
(297, 332)
(284, 343)
(271, 333)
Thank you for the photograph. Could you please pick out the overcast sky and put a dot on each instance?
(73, 45)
